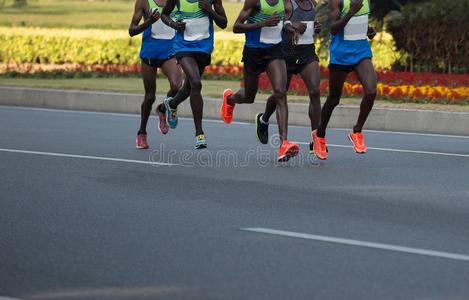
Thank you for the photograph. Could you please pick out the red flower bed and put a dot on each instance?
(402, 86)
(406, 92)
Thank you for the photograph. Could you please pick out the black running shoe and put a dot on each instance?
(262, 130)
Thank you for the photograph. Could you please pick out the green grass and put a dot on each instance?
(211, 88)
(115, 14)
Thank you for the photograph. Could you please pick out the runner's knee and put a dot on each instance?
(314, 93)
(280, 94)
(370, 92)
(196, 86)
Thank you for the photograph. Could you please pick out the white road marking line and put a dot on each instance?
(408, 133)
(235, 122)
(7, 298)
(387, 247)
(398, 150)
(89, 157)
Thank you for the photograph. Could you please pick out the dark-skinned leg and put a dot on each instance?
(173, 72)
(311, 77)
(336, 83)
(367, 76)
(149, 83)
(182, 94)
(271, 103)
(248, 93)
(193, 76)
(277, 73)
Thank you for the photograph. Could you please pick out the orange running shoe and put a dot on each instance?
(163, 126)
(287, 151)
(226, 110)
(319, 146)
(141, 142)
(357, 141)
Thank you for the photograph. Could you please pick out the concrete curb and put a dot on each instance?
(423, 121)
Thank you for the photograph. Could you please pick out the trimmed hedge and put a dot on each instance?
(59, 46)
(101, 47)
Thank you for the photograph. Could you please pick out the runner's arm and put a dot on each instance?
(338, 23)
(135, 28)
(217, 12)
(289, 26)
(249, 8)
(166, 18)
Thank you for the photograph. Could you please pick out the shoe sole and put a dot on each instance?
(355, 150)
(292, 152)
(256, 120)
(318, 157)
(141, 148)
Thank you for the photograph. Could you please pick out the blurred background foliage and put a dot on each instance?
(415, 35)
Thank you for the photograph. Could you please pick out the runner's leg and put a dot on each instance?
(277, 73)
(193, 75)
(172, 71)
(149, 84)
(311, 77)
(367, 76)
(248, 93)
(336, 83)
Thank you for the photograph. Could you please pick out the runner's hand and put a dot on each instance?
(178, 26)
(154, 16)
(355, 6)
(292, 34)
(205, 6)
(272, 21)
(300, 27)
(317, 27)
(371, 32)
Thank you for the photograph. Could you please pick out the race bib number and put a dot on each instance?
(197, 29)
(271, 34)
(307, 38)
(161, 31)
(356, 28)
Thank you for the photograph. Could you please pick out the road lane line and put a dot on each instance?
(398, 150)
(387, 247)
(88, 157)
(7, 298)
(408, 133)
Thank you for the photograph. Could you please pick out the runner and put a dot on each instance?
(301, 55)
(156, 52)
(262, 22)
(350, 51)
(193, 46)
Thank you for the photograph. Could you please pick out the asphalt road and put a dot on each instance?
(84, 215)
